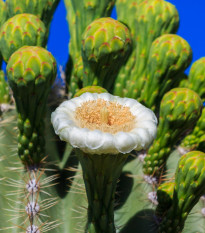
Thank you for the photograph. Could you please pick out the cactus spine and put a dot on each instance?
(136, 56)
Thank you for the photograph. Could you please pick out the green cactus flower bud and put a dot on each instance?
(106, 44)
(91, 89)
(190, 182)
(44, 9)
(147, 21)
(79, 16)
(31, 72)
(164, 197)
(20, 30)
(3, 12)
(179, 110)
(3, 17)
(169, 56)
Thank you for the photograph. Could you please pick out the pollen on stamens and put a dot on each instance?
(106, 116)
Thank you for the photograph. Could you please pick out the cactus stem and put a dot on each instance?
(100, 174)
(27, 211)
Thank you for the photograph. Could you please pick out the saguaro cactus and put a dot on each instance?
(100, 162)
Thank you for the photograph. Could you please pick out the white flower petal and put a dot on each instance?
(64, 134)
(88, 97)
(128, 102)
(145, 137)
(148, 125)
(78, 136)
(106, 97)
(98, 142)
(124, 142)
(94, 139)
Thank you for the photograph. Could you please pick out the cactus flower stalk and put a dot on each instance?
(104, 129)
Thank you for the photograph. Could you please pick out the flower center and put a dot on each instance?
(104, 115)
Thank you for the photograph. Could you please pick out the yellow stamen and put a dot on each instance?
(105, 116)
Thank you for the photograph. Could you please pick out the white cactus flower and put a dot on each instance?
(104, 124)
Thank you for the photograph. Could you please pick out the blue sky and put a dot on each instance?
(192, 21)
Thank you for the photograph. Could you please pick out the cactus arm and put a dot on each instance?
(195, 139)
(177, 112)
(169, 55)
(106, 44)
(145, 29)
(30, 78)
(44, 9)
(189, 180)
(79, 16)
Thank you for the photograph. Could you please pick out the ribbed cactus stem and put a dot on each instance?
(100, 174)
(44, 9)
(106, 44)
(196, 78)
(164, 196)
(195, 140)
(169, 56)
(147, 21)
(179, 110)
(79, 16)
(190, 181)
(31, 72)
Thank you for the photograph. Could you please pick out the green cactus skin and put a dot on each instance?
(100, 174)
(76, 79)
(3, 13)
(79, 16)
(44, 9)
(4, 90)
(3, 17)
(106, 43)
(179, 110)
(149, 20)
(164, 197)
(91, 89)
(21, 30)
(196, 78)
(190, 182)
(169, 56)
(195, 140)
(195, 221)
(134, 211)
(31, 72)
